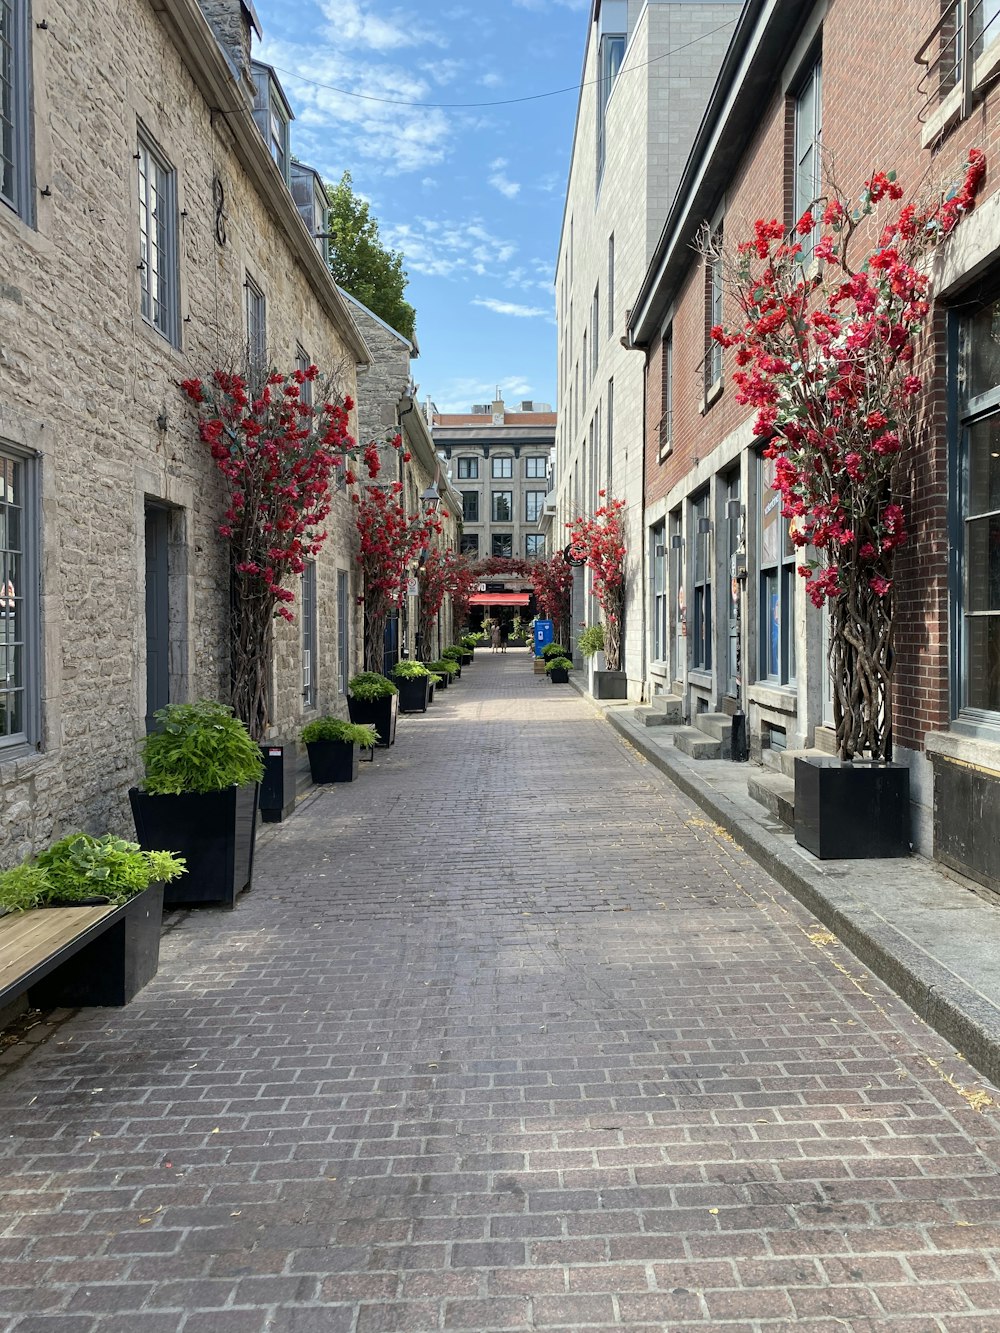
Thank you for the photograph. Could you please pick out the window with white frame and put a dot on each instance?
(468, 469)
(302, 364)
(503, 506)
(808, 149)
(776, 563)
(256, 318)
(503, 465)
(666, 425)
(976, 488)
(19, 685)
(272, 115)
(534, 503)
(158, 249)
(15, 107)
(536, 466)
(534, 545)
(701, 539)
(310, 658)
(658, 544)
(714, 353)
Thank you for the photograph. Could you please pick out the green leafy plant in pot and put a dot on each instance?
(333, 746)
(413, 680)
(199, 796)
(447, 669)
(558, 669)
(373, 701)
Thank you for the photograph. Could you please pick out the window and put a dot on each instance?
(15, 108)
(586, 363)
(534, 545)
(302, 363)
(470, 506)
(470, 543)
(658, 542)
(677, 576)
(468, 469)
(157, 242)
(595, 326)
(536, 466)
(503, 466)
(978, 501)
(272, 115)
(343, 629)
(503, 544)
(734, 529)
(776, 562)
(503, 506)
(701, 536)
(611, 285)
(256, 316)
(666, 426)
(714, 354)
(611, 436)
(808, 156)
(19, 687)
(310, 657)
(610, 55)
(534, 503)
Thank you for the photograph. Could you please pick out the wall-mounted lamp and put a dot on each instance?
(734, 509)
(704, 527)
(660, 552)
(677, 542)
(430, 501)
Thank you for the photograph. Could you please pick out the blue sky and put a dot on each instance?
(473, 196)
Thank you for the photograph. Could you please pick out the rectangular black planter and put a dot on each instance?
(115, 965)
(559, 676)
(277, 788)
(378, 713)
(610, 685)
(333, 761)
(413, 694)
(213, 831)
(856, 811)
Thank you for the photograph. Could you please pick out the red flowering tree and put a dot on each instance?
(436, 579)
(389, 542)
(600, 541)
(463, 578)
(553, 588)
(511, 566)
(826, 354)
(277, 452)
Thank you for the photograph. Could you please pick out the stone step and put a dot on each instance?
(826, 740)
(650, 717)
(776, 793)
(671, 706)
(719, 727)
(788, 758)
(695, 744)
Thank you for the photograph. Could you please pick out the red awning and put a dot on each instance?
(500, 599)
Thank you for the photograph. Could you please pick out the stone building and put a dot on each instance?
(499, 461)
(148, 233)
(796, 80)
(647, 70)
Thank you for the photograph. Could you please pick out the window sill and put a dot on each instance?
(948, 113)
(976, 745)
(700, 678)
(776, 697)
(665, 451)
(712, 395)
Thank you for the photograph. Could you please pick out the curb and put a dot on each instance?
(956, 1010)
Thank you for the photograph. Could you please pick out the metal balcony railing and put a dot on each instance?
(949, 55)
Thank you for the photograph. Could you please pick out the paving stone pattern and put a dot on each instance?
(505, 1036)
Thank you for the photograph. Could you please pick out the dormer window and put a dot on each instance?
(273, 115)
(309, 194)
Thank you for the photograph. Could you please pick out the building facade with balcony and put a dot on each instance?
(797, 97)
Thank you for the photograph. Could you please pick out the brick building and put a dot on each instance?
(801, 88)
(148, 232)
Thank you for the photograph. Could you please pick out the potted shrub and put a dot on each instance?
(552, 650)
(373, 701)
(333, 747)
(453, 654)
(447, 668)
(558, 669)
(436, 682)
(413, 680)
(199, 797)
(467, 643)
(604, 684)
(79, 871)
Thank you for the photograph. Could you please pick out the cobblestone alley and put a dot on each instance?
(506, 1035)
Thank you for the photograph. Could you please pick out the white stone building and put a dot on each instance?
(648, 69)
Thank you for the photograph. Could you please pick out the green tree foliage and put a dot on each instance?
(360, 262)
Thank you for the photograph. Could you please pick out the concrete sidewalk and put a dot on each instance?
(934, 937)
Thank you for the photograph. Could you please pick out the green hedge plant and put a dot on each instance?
(447, 666)
(336, 729)
(454, 653)
(369, 686)
(200, 747)
(559, 664)
(407, 670)
(591, 641)
(81, 866)
(554, 650)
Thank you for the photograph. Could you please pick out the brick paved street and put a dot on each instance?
(505, 1036)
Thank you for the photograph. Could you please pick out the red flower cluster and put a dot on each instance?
(600, 541)
(552, 581)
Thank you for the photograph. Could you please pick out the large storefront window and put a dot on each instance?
(777, 582)
(978, 497)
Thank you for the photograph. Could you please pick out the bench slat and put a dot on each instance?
(27, 939)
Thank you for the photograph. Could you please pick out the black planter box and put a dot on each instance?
(559, 675)
(115, 965)
(277, 788)
(214, 831)
(333, 761)
(466, 659)
(857, 811)
(413, 694)
(443, 681)
(378, 713)
(431, 687)
(610, 685)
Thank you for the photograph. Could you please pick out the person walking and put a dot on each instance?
(504, 636)
(495, 636)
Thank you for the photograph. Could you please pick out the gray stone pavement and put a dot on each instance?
(507, 1035)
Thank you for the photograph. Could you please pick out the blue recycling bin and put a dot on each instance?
(544, 634)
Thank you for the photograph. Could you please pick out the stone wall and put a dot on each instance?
(90, 386)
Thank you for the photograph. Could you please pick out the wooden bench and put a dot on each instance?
(68, 957)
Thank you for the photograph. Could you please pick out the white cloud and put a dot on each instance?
(511, 308)
(501, 181)
(352, 23)
(450, 247)
(542, 5)
(491, 80)
(459, 394)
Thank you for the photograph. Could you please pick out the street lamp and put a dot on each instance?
(430, 501)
